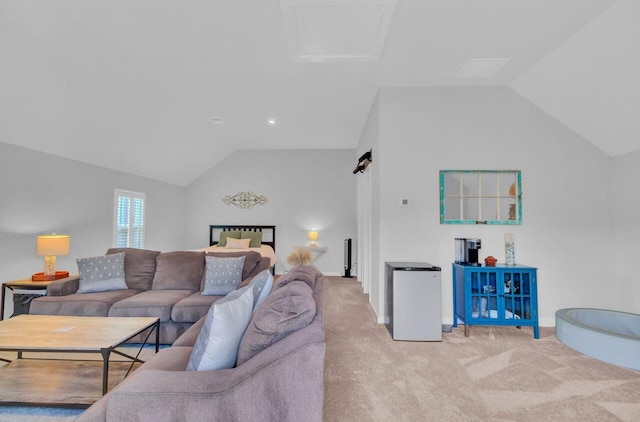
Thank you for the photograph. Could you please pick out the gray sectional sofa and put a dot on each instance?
(163, 285)
(279, 375)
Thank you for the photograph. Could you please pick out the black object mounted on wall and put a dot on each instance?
(363, 162)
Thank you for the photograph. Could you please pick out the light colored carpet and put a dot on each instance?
(495, 374)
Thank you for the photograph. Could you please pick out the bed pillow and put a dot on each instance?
(222, 240)
(256, 238)
(285, 311)
(222, 275)
(233, 243)
(101, 273)
(224, 326)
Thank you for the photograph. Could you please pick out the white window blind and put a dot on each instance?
(128, 227)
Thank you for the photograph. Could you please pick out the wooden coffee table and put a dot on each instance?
(65, 382)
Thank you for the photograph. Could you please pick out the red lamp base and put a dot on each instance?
(57, 276)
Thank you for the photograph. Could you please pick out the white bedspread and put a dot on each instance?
(264, 250)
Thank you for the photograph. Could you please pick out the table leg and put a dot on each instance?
(466, 330)
(157, 336)
(4, 286)
(105, 370)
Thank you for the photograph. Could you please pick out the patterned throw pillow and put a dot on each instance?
(224, 326)
(101, 273)
(222, 275)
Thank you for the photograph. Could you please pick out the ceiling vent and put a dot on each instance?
(482, 68)
(336, 30)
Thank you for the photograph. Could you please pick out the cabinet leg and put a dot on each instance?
(466, 330)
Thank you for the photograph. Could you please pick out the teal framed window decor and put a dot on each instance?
(480, 197)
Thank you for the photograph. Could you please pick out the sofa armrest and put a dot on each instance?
(270, 386)
(64, 286)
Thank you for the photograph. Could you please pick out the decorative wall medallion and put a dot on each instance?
(245, 200)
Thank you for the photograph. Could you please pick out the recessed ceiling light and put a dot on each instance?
(216, 120)
(271, 122)
(482, 68)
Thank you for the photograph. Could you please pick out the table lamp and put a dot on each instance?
(313, 237)
(50, 246)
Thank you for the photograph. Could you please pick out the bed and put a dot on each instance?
(266, 249)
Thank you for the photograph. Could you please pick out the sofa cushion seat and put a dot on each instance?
(152, 303)
(193, 307)
(85, 304)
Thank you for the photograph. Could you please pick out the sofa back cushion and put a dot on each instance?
(179, 271)
(139, 266)
(284, 311)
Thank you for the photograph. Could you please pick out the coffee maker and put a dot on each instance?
(467, 251)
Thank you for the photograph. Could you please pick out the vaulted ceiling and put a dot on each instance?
(166, 89)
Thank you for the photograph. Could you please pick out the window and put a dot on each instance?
(480, 197)
(128, 226)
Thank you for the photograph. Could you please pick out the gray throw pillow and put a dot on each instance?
(101, 273)
(222, 275)
(226, 322)
(285, 311)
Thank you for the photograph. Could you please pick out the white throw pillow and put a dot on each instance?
(218, 341)
(237, 243)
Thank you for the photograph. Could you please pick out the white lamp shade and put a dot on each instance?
(313, 236)
(53, 245)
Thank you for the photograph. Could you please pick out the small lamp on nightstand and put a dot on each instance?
(313, 237)
(50, 246)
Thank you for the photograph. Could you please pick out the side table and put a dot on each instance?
(316, 251)
(25, 284)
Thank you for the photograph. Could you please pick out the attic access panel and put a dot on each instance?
(336, 30)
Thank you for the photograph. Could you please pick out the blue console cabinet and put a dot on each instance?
(499, 295)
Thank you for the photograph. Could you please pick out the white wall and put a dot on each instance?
(306, 189)
(369, 208)
(626, 190)
(566, 182)
(42, 193)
